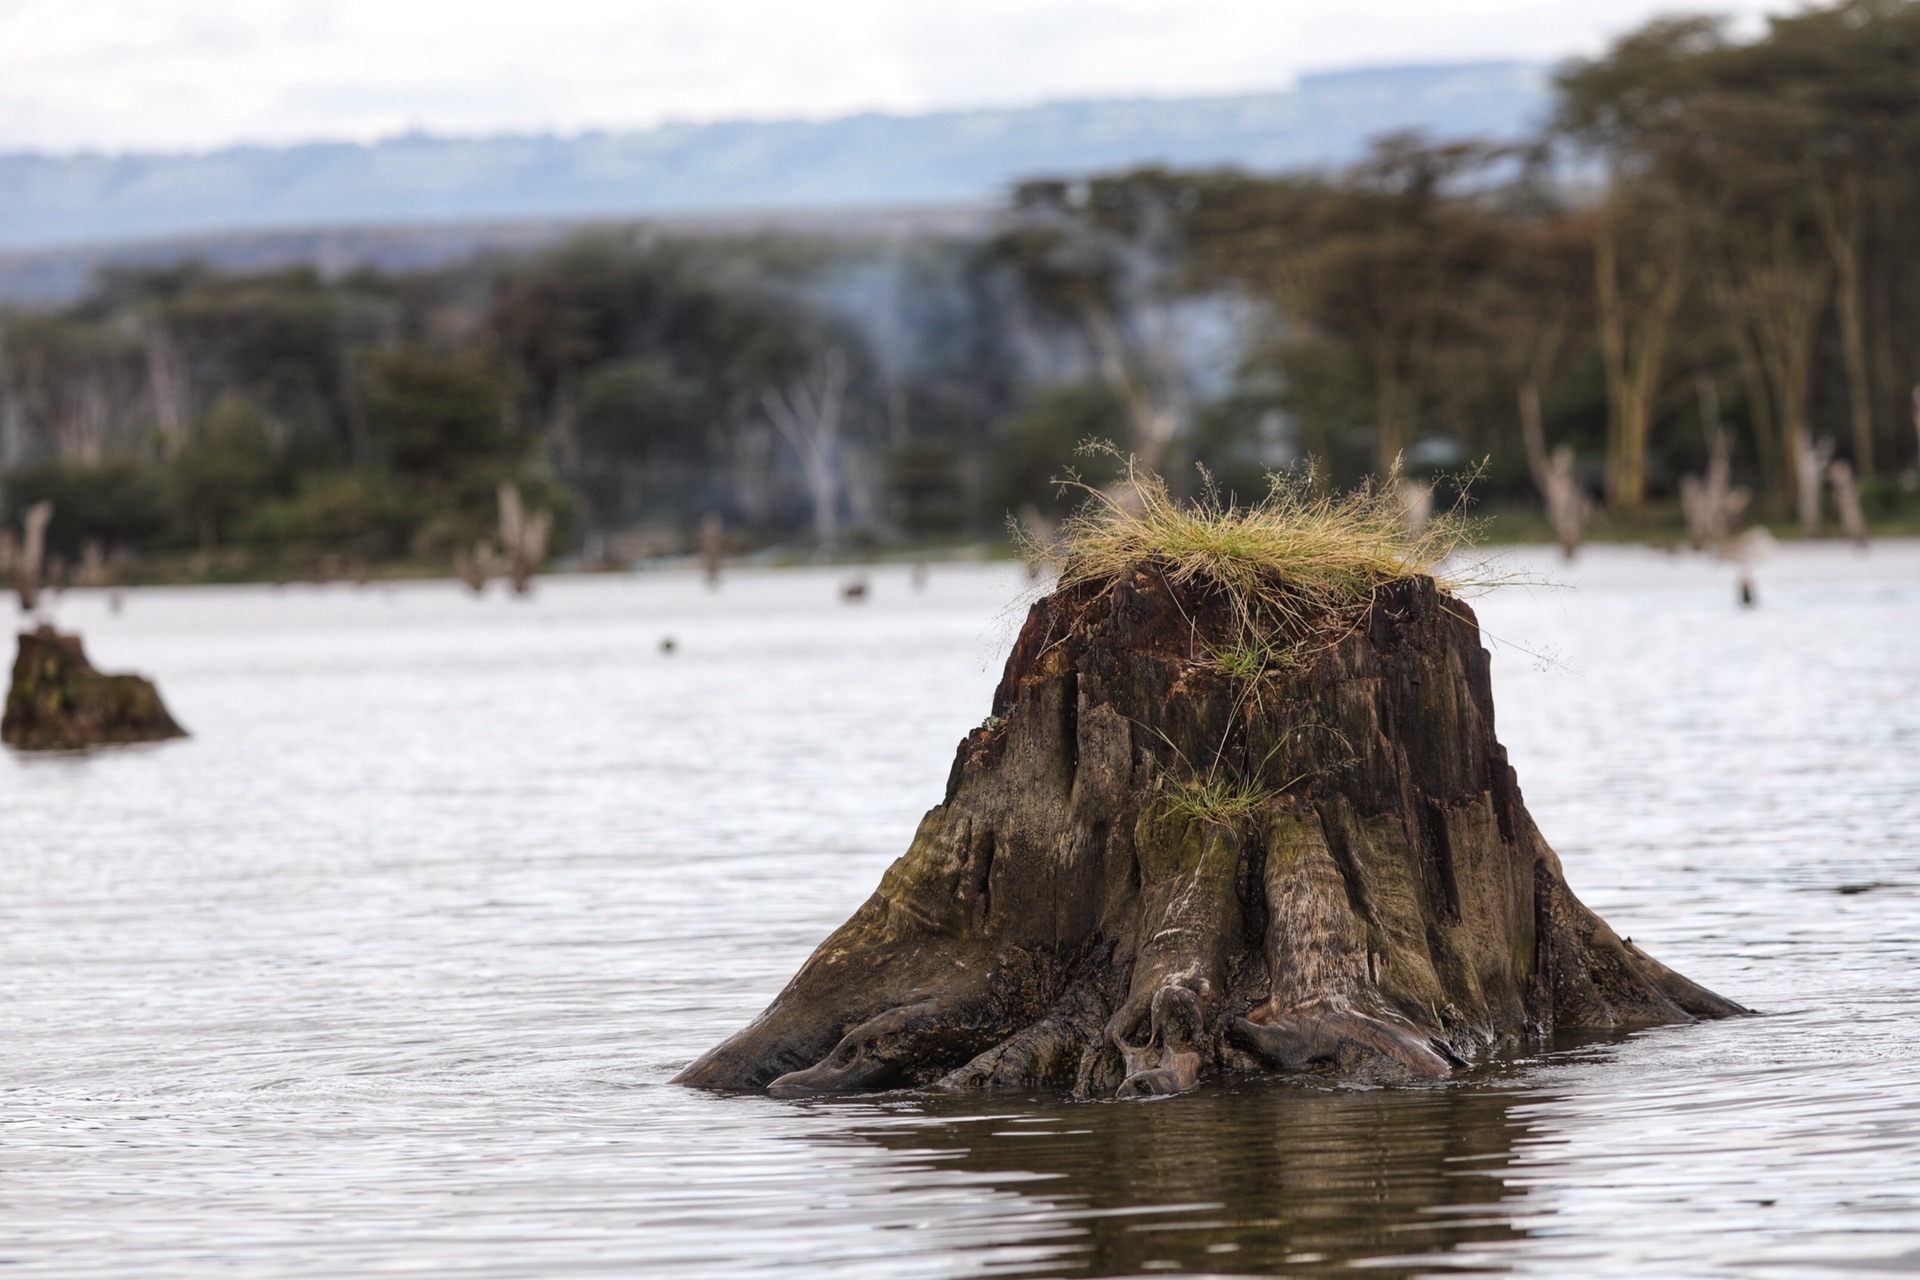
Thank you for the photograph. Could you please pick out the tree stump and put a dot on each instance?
(58, 701)
(1148, 869)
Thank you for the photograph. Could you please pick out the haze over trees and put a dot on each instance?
(870, 160)
(1709, 221)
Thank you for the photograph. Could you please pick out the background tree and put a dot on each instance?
(1105, 257)
(229, 465)
(1376, 262)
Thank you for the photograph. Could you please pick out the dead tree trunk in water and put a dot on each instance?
(1810, 473)
(523, 538)
(1846, 501)
(1567, 503)
(1147, 870)
(23, 563)
(1713, 505)
(713, 548)
(807, 416)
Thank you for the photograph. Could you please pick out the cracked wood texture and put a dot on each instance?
(1377, 904)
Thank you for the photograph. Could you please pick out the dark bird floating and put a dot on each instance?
(57, 700)
(1239, 807)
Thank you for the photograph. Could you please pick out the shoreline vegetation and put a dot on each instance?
(1662, 530)
(1684, 309)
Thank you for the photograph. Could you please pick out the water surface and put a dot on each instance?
(386, 968)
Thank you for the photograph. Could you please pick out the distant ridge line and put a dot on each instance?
(60, 216)
(941, 158)
(61, 274)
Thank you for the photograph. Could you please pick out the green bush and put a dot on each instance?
(924, 478)
(1041, 445)
(230, 465)
(438, 417)
(641, 410)
(360, 513)
(117, 503)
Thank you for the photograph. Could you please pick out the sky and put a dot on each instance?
(181, 75)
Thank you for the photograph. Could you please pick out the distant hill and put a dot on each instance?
(873, 161)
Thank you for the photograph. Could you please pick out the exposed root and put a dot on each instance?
(1344, 1040)
(1325, 1010)
(1170, 1059)
(889, 1051)
(1046, 1054)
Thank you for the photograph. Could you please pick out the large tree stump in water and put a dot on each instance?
(57, 700)
(1147, 869)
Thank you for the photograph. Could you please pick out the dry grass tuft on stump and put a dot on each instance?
(1297, 563)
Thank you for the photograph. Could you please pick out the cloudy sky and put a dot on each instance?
(194, 74)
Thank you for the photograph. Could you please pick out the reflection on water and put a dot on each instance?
(1259, 1176)
(387, 967)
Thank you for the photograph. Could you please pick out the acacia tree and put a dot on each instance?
(1521, 320)
(1377, 260)
(1846, 74)
(1785, 167)
(1638, 283)
(1105, 260)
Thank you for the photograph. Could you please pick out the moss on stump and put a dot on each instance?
(58, 701)
(1150, 867)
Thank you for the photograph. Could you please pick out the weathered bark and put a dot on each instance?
(1373, 901)
(57, 700)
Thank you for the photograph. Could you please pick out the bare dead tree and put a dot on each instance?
(1121, 294)
(1039, 540)
(1846, 500)
(1416, 504)
(1743, 550)
(93, 570)
(1810, 469)
(1568, 505)
(523, 537)
(23, 562)
(475, 568)
(1713, 505)
(807, 414)
(1141, 363)
(713, 548)
(167, 385)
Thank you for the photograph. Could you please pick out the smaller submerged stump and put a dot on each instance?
(58, 701)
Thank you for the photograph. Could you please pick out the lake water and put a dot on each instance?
(386, 968)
